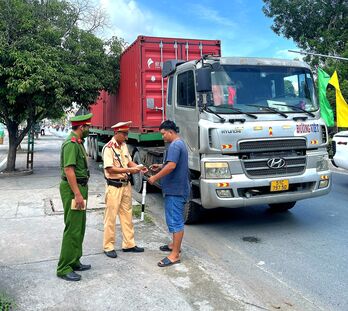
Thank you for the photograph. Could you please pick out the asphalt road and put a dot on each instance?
(293, 259)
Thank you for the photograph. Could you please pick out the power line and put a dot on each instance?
(321, 55)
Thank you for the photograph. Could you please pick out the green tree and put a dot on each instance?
(289, 88)
(316, 26)
(48, 62)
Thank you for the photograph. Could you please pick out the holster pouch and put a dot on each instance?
(116, 183)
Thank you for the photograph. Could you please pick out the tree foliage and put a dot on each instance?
(289, 88)
(317, 26)
(47, 62)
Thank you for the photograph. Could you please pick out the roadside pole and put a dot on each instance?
(143, 196)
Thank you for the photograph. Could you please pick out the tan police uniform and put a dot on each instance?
(118, 200)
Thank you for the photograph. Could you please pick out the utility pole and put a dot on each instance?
(321, 55)
(30, 152)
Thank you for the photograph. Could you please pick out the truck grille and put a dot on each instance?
(272, 145)
(259, 168)
(257, 154)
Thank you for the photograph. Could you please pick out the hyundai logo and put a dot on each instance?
(276, 163)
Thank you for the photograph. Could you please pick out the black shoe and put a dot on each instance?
(111, 254)
(82, 267)
(134, 249)
(71, 276)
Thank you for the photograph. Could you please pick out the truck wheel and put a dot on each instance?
(137, 178)
(97, 157)
(92, 148)
(281, 207)
(89, 146)
(192, 213)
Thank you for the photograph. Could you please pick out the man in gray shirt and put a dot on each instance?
(174, 175)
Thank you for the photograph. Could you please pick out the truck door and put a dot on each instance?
(186, 114)
(170, 99)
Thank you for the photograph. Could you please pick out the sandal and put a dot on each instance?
(165, 262)
(165, 248)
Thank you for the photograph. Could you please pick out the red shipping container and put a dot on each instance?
(103, 111)
(142, 90)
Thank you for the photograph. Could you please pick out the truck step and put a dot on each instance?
(195, 182)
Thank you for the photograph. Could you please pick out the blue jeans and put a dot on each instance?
(174, 211)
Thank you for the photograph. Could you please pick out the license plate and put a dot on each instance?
(279, 185)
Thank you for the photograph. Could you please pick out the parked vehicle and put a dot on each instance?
(39, 128)
(340, 150)
(252, 126)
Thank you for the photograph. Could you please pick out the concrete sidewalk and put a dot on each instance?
(31, 229)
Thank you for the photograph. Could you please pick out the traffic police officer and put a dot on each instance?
(74, 193)
(118, 166)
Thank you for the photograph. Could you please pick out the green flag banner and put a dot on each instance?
(325, 108)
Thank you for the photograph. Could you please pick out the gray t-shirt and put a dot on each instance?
(177, 182)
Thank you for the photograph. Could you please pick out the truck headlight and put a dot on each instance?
(217, 170)
(224, 193)
(323, 164)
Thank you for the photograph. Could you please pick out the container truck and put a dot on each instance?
(252, 126)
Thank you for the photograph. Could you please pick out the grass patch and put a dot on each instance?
(6, 303)
(137, 214)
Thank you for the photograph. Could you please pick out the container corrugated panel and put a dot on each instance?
(142, 91)
(98, 111)
(104, 111)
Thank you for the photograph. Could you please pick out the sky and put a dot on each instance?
(240, 24)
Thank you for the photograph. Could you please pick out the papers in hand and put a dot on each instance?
(74, 206)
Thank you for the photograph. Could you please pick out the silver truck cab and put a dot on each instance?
(253, 131)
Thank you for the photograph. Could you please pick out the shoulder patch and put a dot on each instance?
(110, 144)
(76, 140)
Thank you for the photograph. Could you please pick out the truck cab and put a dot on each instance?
(253, 131)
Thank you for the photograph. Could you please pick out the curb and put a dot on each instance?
(16, 173)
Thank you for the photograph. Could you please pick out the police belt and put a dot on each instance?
(118, 183)
(83, 181)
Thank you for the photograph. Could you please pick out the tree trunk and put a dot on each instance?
(13, 144)
(14, 140)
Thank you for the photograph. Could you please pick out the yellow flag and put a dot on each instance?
(341, 104)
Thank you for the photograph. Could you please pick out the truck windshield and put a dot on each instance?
(285, 89)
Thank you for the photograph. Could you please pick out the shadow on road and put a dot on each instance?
(249, 216)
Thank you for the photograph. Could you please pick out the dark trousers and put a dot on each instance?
(74, 232)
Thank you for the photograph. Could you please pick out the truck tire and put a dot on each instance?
(89, 146)
(192, 212)
(281, 207)
(97, 157)
(92, 148)
(137, 178)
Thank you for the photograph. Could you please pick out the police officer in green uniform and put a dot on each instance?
(74, 193)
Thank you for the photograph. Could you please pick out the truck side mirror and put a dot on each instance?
(203, 80)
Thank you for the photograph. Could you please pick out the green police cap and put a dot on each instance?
(81, 120)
